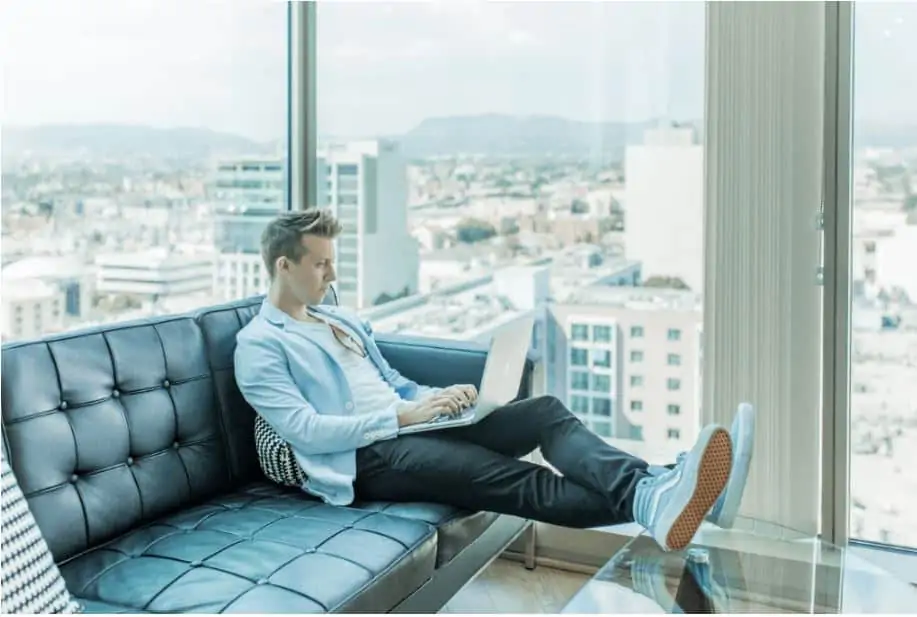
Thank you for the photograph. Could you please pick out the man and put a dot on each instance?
(315, 374)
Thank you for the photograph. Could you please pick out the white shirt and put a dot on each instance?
(371, 393)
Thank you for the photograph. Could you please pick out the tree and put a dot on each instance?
(665, 282)
(470, 231)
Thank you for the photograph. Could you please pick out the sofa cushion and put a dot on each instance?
(31, 580)
(261, 549)
(120, 414)
(456, 528)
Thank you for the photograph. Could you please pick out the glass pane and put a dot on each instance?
(532, 158)
(144, 148)
(883, 397)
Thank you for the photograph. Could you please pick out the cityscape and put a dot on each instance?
(454, 247)
(469, 194)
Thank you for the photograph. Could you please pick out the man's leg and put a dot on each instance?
(432, 467)
(566, 443)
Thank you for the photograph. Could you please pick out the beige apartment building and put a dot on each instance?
(628, 361)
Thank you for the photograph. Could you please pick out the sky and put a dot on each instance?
(383, 67)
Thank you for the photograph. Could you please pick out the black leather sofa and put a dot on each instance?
(135, 451)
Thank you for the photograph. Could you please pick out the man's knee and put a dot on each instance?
(551, 406)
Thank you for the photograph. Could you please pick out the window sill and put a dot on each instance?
(900, 563)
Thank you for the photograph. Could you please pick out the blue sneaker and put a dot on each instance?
(742, 432)
(723, 513)
(672, 505)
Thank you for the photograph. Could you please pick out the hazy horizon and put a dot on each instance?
(385, 67)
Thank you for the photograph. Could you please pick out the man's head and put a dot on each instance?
(298, 252)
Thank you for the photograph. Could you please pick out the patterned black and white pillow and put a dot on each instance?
(276, 456)
(31, 581)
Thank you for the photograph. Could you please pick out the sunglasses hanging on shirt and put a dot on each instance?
(342, 336)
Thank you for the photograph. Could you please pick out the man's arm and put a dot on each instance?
(265, 381)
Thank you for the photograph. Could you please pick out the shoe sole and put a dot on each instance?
(713, 473)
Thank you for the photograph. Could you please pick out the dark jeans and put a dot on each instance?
(476, 468)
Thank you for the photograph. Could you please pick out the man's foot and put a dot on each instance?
(742, 433)
(726, 508)
(672, 505)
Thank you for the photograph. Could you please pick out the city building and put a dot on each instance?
(628, 361)
(664, 205)
(46, 279)
(31, 308)
(365, 184)
(248, 193)
(154, 274)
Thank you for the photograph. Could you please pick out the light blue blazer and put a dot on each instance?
(301, 391)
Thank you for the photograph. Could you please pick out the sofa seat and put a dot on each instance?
(456, 528)
(261, 549)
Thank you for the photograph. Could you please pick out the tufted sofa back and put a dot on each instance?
(108, 427)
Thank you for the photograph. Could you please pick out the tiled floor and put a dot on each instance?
(507, 587)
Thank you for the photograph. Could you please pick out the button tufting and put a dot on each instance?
(166, 383)
(175, 445)
(74, 478)
(196, 564)
(115, 393)
(130, 460)
(63, 405)
(261, 581)
(310, 550)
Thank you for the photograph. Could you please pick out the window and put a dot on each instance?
(579, 357)
(579, 404)
(673, 384)
(601, 383)
(580, 381)
(601, 406)
(636, 356)
(636, 405)
(636, 433)
(673, 359)
(174, 181)
(673, 433)
(602, 429)
(674, 410)
(674, 334)
(636, 380)
(601, 334)
(883, 286)
(443, 79)
(579, 332)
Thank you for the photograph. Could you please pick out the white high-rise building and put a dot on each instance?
(365, 184)
(664, 205)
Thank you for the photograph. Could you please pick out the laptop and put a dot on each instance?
(500, 382)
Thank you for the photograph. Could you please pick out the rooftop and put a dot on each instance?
(637, 298)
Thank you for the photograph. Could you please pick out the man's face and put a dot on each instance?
(309, 279)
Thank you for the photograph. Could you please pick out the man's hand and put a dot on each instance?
(428, 409)
(465, 395)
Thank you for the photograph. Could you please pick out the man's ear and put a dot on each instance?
(282, 264)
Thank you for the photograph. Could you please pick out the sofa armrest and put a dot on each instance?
(443, 362)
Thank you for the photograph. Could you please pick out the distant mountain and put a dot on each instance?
(111, 141)
(869, 134)
(496, 135)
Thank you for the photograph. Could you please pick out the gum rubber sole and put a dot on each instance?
(713, 473)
